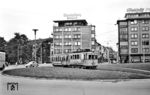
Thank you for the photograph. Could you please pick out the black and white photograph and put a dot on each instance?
(74, 47)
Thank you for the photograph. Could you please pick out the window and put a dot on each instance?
(134, 29)
(67, 43)
(124, 47)
(58, 44)
(145, 21)
(134, 22)
(75, 29)
(123, 37)
(69, 29)
(93, 42)
(92, 35)
(78, 29)
(145, 28)
(67, 36)
(56, 29)
(134, 36)
(77, 43)
(123, 30)
(134, 50)
(57, 36)
(146, 35)
(77, 36)
(146, 50)
(60, 29)
(66, 29)
(134, 43)
(145, 42)
(93, 28)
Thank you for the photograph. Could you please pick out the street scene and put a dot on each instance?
(75, 48)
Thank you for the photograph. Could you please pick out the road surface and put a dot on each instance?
(32, 86)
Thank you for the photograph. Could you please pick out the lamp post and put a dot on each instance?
(35, 30)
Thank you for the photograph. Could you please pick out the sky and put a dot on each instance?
(24, 15)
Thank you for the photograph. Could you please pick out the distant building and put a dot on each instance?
(43, 48)
(134, 37)
(72, 35)
(105, 54)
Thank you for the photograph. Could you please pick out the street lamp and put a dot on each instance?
(35, 30)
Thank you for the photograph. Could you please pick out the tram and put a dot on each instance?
(86, 60)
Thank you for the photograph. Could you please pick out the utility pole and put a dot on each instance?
(18, 54)
(35, 30)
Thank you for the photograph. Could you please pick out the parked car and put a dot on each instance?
(32, 64)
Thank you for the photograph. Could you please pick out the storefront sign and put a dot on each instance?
(138, 10)
(72, 16)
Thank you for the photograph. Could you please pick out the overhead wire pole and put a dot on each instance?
(35, 30)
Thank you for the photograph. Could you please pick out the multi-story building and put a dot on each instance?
(134, 37)
(72, 35)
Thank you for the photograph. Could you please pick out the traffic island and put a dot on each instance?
(75, 73)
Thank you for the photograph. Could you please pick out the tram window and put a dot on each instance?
(90, 57)
(67, 57)
(57, 58)
(84, 56)
(77, 56)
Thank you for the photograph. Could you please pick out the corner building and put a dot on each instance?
(134, 37)
(72, 35)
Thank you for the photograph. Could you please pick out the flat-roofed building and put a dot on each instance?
(134, 37)
(72, 35)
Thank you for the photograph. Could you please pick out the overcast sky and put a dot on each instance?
(24, 15)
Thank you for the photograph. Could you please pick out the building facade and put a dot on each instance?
(134, 37)
(72, 35)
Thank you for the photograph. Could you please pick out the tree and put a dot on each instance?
(2, 44)
(15, 48)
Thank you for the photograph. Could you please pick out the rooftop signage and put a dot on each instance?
(138, 10)
(72, 16)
